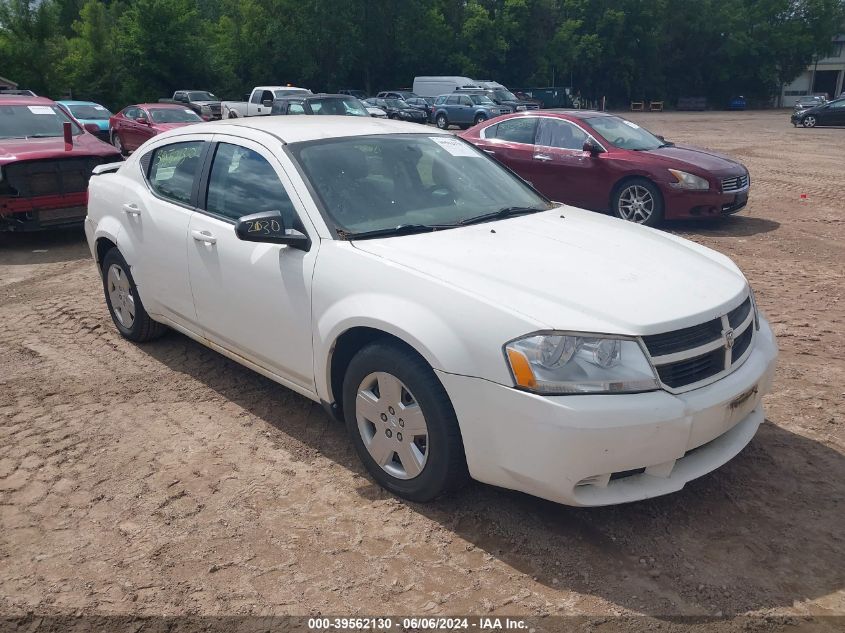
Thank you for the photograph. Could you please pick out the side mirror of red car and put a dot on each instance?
(143, 120)
(92, 128)
(592, 148)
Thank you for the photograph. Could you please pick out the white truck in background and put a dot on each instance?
(259, 102)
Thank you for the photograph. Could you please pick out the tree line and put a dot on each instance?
(128, 51)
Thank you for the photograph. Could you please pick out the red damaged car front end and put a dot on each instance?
(44, 168)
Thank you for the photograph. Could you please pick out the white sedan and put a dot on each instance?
(461, 324)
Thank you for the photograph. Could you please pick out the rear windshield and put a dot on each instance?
(34, 121)
(333, 105)
(89, 112)
(201, 95)
(173, 115)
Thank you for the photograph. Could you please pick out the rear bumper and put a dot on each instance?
(42, 212)
(592, 450)
(702, 204)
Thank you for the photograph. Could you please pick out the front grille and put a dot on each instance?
(689, 371)
(50, 176)
(734, 183)
(692, 355)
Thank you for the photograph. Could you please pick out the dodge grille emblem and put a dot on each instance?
(729, 338)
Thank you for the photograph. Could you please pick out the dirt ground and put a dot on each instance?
(166, 479)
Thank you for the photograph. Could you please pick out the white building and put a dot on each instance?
(826, 75)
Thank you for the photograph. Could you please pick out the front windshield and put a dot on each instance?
(201, 95)
(343, 107)
(624, 134)
(399, 104)
(89, 112)
(174, 115)
(34, 121)
(481, 100)
(369, 183)
(505, 95)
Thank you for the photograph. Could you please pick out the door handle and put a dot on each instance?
(130, 208)
(203, 236)
(542, 157)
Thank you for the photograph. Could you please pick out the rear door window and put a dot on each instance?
(518, 130)
(174, 169)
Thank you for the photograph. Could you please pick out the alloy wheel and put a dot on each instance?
(441, 122)
(120, 296)
(392, 425)
(636, 204)
(809, 121)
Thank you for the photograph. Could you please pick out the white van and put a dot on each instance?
(436, 86)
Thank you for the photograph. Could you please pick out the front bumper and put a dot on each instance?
(680, 203)
(592, 450)
(42, 212)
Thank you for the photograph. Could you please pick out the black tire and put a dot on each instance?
(142, 328)
(118, 144)
(441, 121)
(445, 467)
(479, 118)
(656, 216)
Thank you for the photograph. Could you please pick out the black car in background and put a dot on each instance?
(325, 104)
(421, 103)
(396, 94)
(358, 94)
(830, 113)
(398, 109)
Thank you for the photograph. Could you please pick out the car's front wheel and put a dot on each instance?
(441, 121)
(480, 118)
(638, 201)
(124, 303)
(402, 423)
(809, 121)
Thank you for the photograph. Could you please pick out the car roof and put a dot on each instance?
(301, 129)
(308, 96)
(169, 106)
(70, 102)
(24, 100)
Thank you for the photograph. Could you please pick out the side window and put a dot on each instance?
(490, 131)
(453, 100)
(440, 100)
(131, 113)
(561, 134)
(256, 96)
(296, 108)
(173, 170)
(518, 130)
(266, 96)
(242, 182)
(466, 101)
(838, 104)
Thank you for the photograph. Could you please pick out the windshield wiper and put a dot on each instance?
(402, 229)
(506, 212)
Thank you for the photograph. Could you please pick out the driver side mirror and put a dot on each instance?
(592, 148)
(267, 103)
(269, 227)
(143, 120)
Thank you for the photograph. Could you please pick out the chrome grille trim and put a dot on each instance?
(735, 183)
(702, 364)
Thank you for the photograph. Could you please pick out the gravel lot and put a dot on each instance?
(165, 479)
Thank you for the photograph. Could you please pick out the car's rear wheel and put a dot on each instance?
(480, 118)
(233, 114)
(402, 423)
(124, 303)
(118, 144)
(638, 200)
(442, 122)
(809, 121)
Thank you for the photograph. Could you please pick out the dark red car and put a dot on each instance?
(603, 162)
(134, 125)
(46, 160)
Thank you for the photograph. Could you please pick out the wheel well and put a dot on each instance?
(626, 180)
(346, 346)
(104, 245)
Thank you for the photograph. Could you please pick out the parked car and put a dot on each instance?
(809, 101)
(829, 113)
(396, 94)
(46, 158)
(603, 162)
(435, 86)
(358, 94)
(136, 124)
(204, 103)
(398, 109)
(259, 102)
(501, 95)
(737, 103)
(322, 104)
(375, 111)
(465, 110)
(421, 103)
(441, 307)
(88, 112)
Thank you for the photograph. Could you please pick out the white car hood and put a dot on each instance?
(584, 270)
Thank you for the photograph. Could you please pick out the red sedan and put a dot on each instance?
(603, 162)
(134, 125)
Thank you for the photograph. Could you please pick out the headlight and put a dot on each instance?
(559, 363)
(519, 108)
(206, 109)
(688, 181)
